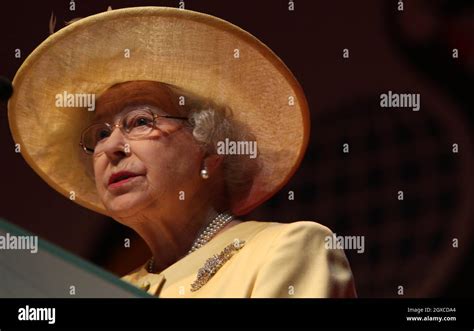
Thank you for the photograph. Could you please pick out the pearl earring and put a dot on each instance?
(204, 173)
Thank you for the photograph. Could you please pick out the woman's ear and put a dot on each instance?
(211, 162)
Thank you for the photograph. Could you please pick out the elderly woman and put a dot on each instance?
(151, 153)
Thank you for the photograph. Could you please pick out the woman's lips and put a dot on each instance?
(123, 183)
(121, 178)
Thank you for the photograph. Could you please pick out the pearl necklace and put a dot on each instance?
(204, 237)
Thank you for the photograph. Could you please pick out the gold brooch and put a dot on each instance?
(214, 263)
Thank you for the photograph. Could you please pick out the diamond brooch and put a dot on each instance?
(214, 263)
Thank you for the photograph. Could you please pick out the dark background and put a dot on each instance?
(409, 242)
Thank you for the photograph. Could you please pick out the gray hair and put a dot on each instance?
(211, 124)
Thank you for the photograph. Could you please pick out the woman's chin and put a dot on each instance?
(124, 205)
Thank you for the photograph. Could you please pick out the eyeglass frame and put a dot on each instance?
(122, 129)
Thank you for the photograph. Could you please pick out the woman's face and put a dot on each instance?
(166, 165)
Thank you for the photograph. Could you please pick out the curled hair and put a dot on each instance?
(211, 124)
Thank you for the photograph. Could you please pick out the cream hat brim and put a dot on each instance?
(191, 50)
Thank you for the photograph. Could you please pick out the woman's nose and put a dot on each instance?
(116, 146)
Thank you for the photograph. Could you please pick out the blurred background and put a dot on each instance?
(411, 46)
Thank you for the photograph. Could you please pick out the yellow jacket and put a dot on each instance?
(266, 260)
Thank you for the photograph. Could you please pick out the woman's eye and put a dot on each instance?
(140, 121)
(102, 134)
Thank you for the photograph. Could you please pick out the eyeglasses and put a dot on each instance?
(136, 124)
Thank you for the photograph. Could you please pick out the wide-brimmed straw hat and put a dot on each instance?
(199, 53)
